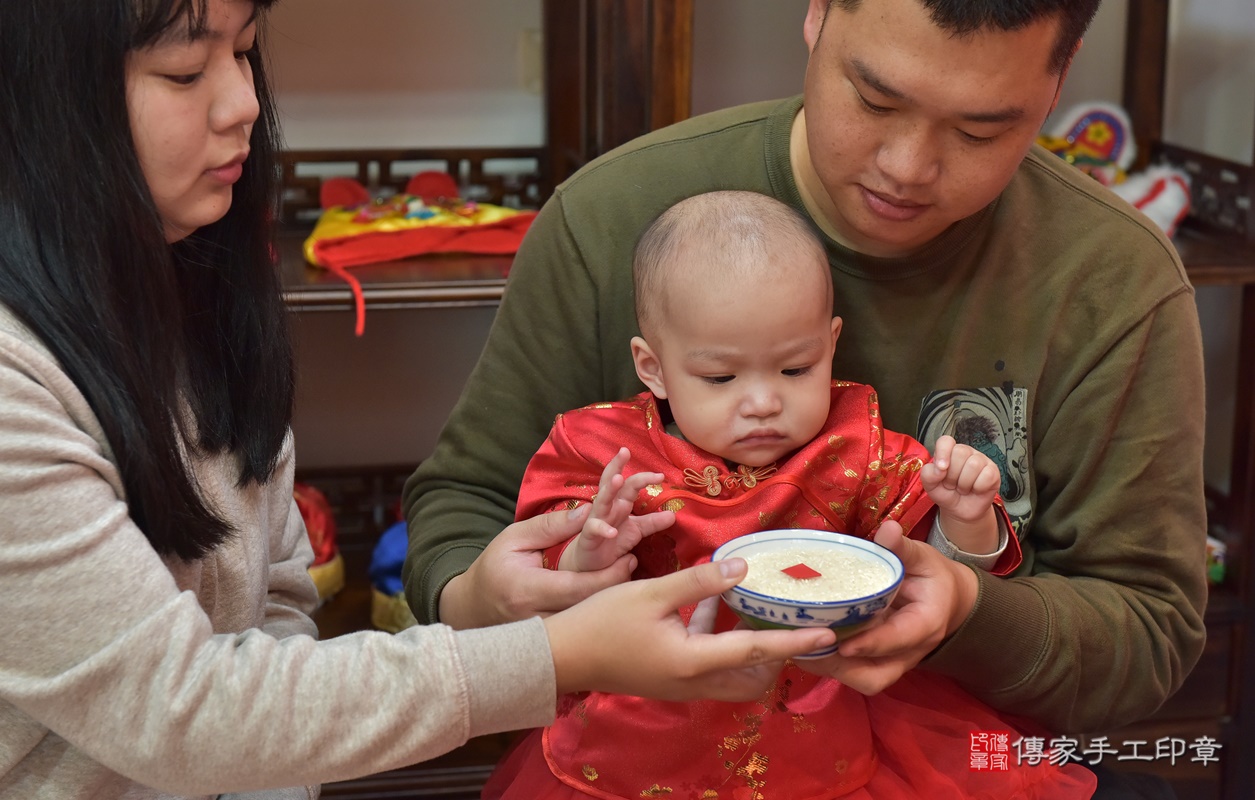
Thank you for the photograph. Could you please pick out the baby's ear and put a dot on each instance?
(648, 367)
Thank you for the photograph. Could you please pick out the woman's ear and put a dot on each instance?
(648, 367)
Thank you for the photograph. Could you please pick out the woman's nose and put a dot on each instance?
(236, 102)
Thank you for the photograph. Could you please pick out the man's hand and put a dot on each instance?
(629, 639)
(936, 596)
(611, 530)
(508, 581)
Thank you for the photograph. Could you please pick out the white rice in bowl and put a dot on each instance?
(843, 576)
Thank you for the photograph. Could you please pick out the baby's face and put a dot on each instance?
(748, 372)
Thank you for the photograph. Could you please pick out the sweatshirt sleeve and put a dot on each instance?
(103, 649)
(290, 594)
(1114, 569)
(465, 493)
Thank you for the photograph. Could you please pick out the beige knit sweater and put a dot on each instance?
(127, 675)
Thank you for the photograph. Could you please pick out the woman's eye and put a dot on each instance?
(184, 80)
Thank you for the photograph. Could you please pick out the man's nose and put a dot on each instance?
(910, 155)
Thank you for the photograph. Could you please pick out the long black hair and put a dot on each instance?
(174, 346)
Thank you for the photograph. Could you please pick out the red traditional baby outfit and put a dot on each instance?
(808, 737)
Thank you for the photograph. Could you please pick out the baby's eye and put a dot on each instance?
(796, 372)
(717, 379)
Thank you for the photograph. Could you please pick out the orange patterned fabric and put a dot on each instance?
(807, 737)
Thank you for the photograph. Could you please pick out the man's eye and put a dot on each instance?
(976, 139)
(875, 109)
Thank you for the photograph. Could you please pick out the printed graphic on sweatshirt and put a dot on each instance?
(994, 421)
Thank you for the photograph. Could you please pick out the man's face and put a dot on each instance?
(909, 128)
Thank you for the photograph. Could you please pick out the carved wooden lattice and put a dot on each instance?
(509, 176)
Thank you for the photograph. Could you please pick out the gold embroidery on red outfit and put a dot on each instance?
(707, 479)
(745, 477)
(750, 476)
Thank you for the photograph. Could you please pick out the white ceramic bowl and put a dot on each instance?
(846, 617)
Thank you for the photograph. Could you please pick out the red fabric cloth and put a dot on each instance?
(490, 238)
(433, 186)
(339, 254)
(320, 521)
(808, 737)
(910, 735)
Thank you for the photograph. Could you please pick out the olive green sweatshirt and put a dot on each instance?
(1055, 329)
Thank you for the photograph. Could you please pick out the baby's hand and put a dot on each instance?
(961, 480)
(611, 529)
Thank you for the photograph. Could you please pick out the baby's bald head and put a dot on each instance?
(725, 240)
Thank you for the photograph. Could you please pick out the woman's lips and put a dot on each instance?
(228, 173)
(890, 208)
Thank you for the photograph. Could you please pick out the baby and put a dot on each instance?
(734, 300)
(743, 429)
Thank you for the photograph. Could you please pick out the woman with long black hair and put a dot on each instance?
(154, 631)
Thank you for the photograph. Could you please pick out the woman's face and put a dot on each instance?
(192, 107)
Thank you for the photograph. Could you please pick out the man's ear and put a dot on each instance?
(814, 23)
(648, 367)
(1063, 76)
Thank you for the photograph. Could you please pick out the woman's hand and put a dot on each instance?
(936, 596)
(629, 639)
(509, 582)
